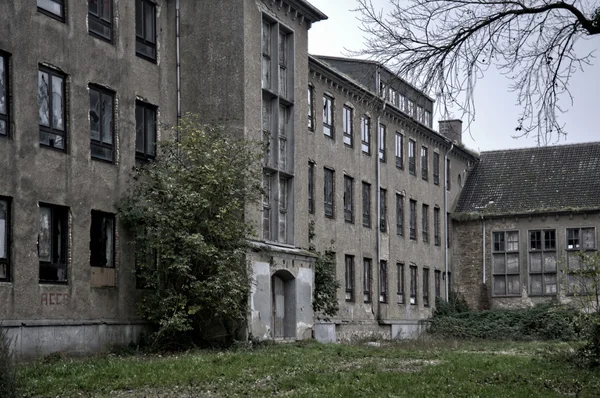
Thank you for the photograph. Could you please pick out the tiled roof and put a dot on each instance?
(534, 180)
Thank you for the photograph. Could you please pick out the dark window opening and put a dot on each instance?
(100, 18)
(52, 243)
(436, 168)
(101, 123)
(413, 220)
(145, 131)
(426, 287)
(399, 215)
(367, 280)
(5, 241)
(412, 166)
(383, 292)
(348, 199)
(145, 29)
(328, 190)
(425, 223)
(51, 108)
(382, 210)
(349, 277)
(311, 187)
(366, 205)
(400, 269)
(102, 240)
(52, 8)
(4, 96)
(413, 284)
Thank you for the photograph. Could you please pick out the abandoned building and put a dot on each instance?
(353, 167)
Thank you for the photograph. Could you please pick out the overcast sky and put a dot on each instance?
(496, 112)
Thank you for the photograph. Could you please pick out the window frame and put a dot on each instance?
(62, 17)
(436, 226)
(424, 163)
(329, 194)
(399, 148)
(349, 277)
(365, 134)
(383, 210)
(572, 257)
(347, 125)
(448, 175)
(425, 222)
(101, 21)
(311, 187)
(52, 73)
(382, 134)
(5, 117)
(348, 199)
(412, 219)
(505, 250)
(400, 282)
(267, 208)
(60, 261)
(100, 144)
(383, 282)
(328, 116)
(437, 280)
(6, 261)
(436, 168)
(143, 40)
(544, 252)
(425, 287)
(366, 204)
(102, 217)
(367, 279)
(399, 214)
(311, 108)
(145, 156)
(412, 161)
(414, 284)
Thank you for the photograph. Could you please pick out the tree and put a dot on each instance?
(186, 215)
(447, 45)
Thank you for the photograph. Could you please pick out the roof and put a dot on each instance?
(534, 180)
(311, 12)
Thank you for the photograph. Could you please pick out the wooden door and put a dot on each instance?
(278, 307)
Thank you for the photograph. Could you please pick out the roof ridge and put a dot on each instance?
(588, 143)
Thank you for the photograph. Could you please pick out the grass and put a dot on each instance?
(415, 369)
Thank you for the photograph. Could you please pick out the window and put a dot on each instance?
(413, 284)
(102, 240)
(448, 179)
(420, 114)
(436, 168)
(52, 243)
(284, 189)
(267, 199)
(426, 287)
(51, 103)
(383, 293)
(402, 102)
(437, 275)
(399, 150)
(382, 142)
(448, 230)
(399, 215)
(145, 131)
(400, 276)
(411, 108)
(436, 226)
(328, 189)
(145, 29)
(284, 59)
(267, 50)
(392, 96)
(365, 134)
(328, 116)
(53, 8)
(542, 262)
(311, 187)
(347, 122)
(412, 166)
(413, 220)
(101, 123)
(367, 280)
(4, 96)
(424, 163)
(382, 210)
(427, 118)
(425, 223)
(349, 199)
(505, 256)
(349, 277)
(579, 239)
(267, 127)
(311, 109)
(4, 239)
(284, 127)
(100, 18)
(366, 205)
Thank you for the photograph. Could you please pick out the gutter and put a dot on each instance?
(483, 244)
(446, 215)
(378, 193)
(178, 66)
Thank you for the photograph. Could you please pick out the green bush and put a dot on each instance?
(546, 321)
(455, 305)
(8, 373)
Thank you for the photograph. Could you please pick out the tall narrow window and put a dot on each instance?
(383, 282)
(366, 205)
(579, 239)
(102, 240)
(436, 168)
(284, 54)
(52, 243)
(51, 104)
(399, 150)
(412, 165)
(413, 220)
(505, 267)
(365, 134)
(425, 223)
(311, 108)
(448, 177)
(448, 230)
(284, 189)
(284, 126)
(382, 210)
(349, 277)
(101, 123)
(4, 239)
(542, 262)
(436, 226)
(328, 116)
(267, 51)
(410, 107)
(328, 190)
(145, 29)
(420, 114)
(367, 280)
(438, 283)
(100, 18)
(400, 280)
(4, 95)
(349, 199)
(399, 215)
(267, 195)
(145, 131)
(382, 142)
(347, 119)
(426, 287)
(267, 126)
(311, 187)
(413, 284)
(427, 118)
(53, 8)
(402, 102)
(424, 163)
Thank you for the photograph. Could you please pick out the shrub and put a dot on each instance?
(455, 305)
(8, 373)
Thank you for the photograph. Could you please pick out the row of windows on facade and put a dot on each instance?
(542, 259)
(384, 291)
(365, 127)
(101, 21)
(329, 206)
(405, 104)
(52, 241)
(52, 104)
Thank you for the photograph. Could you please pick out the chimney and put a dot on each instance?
(451, 129)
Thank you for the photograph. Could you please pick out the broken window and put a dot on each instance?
(365, 134)
(349, 277)
(400, 282)
(425, 223)
(51, 105)
(383, 293)
(413, 220)
(348, 199)
(102, 240)
(101, 123)
(542, 262)
(328, 190)
(4, 239)
(145, 131)
(412, 166)
(4, 95)
(413, 284)
(328, 116)
(367, 280)
(366, 205)
(505, 264)
(53, 8)
(145, 29)
(399, 215)
(424, 163)
(399, 150)
(52, 243)
(347, 125)
(436, 168)
(100, 18)
(426, 287)
(436, 226)
(382, 142)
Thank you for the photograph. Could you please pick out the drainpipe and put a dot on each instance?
(178, 66)
(446, 213)
(378, 193)
(483, 244)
